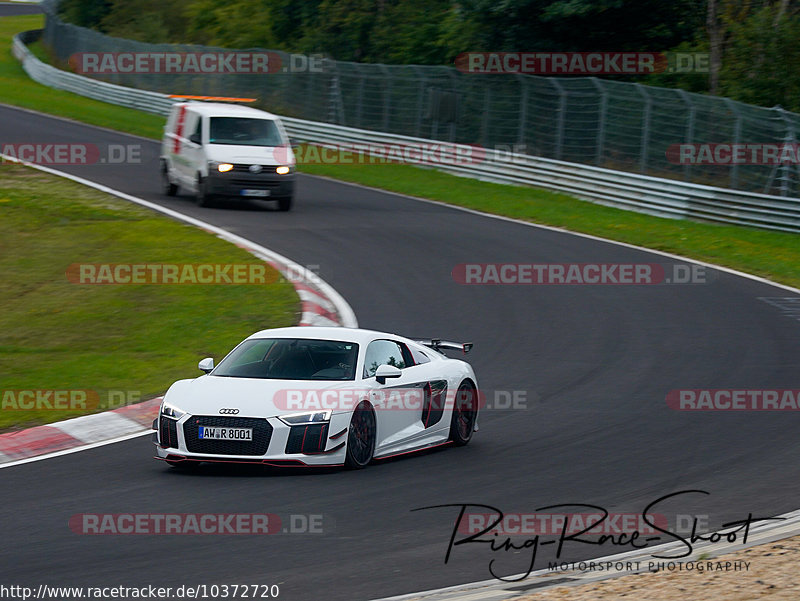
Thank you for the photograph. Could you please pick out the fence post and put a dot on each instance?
(360, 105)
(788, 138)
(645, 143)
(562, 110)
(737, 133)
(335, 103)
(689, 136)
(601, 122)
(423, 82)
(487, 99)
(453, 74)
(386, 97)
(523, 109)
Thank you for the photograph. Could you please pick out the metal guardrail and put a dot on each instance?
(645, 194)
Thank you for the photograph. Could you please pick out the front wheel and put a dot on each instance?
(284, 204)
(360, 437)
(465, 412)
(201, 196)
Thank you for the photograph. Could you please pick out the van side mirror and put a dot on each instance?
(206, 364)
(387, 371)
(195, 139)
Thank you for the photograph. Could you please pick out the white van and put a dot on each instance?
(218, 150)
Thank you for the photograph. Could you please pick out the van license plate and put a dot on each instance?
(257, 193)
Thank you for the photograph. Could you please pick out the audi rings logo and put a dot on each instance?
(229, 411)
(255, 168)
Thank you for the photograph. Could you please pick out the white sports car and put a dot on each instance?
(313, 396)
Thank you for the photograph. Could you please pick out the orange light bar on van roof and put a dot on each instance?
(214, 98)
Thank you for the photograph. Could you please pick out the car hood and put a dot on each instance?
(255, 397)
(255, 155)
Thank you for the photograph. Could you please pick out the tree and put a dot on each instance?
(761, 63)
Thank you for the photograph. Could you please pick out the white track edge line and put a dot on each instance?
(84, 447)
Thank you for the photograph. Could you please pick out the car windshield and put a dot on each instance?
(290, 359)
(244, 131)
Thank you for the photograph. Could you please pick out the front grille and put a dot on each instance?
(262, 433)
(255, 184)
(168, 432)
(265, 169)
(307, 439)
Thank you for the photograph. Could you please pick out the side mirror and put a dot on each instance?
(387, 371)
(206, 364)
(294, 143)
(195, 139)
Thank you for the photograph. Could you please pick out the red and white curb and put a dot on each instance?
(321, 306)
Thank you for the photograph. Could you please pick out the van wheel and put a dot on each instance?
(167, 186)
(284, 204)
(201, 195)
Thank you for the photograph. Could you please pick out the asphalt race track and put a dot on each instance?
(595, 364)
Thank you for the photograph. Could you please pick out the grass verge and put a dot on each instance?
(18, 89)
(133, 339)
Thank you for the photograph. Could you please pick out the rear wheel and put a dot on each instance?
(465, 412)
(360, 437)
(167, 186)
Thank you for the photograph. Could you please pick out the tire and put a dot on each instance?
(360, 437)
(462, 423)
(285, 204)
(201, 195)
(167, 187)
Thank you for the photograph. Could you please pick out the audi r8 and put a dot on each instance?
(315, 396)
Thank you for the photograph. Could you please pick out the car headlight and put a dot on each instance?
(224, 167)
(171, 411)
(283, 170)
(308, 417)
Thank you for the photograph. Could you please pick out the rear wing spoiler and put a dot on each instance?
(444, 345)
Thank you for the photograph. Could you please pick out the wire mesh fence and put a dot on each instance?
(600, 122)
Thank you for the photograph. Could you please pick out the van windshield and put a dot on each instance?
(244, 131)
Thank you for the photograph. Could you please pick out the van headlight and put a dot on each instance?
(283, 170)
(221, 167)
